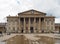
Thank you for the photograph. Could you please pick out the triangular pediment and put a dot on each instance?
(31, 12)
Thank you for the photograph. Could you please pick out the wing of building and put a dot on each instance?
(2, 27)
(31, 21)
(57, 27)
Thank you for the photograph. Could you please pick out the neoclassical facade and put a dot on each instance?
(31, 21)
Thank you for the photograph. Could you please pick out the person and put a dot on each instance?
(42, 31)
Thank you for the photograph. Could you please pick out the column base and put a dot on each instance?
(24, 31)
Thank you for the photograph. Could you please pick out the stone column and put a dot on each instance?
(19, 26)
(24, 25)
(39, 25)
(44, 25)
(34, 25)
(29, 26)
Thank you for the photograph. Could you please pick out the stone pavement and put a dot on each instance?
(30, 37)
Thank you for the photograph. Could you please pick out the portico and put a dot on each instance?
(31, 25)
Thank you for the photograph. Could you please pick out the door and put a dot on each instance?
(0, 32)
(31, 29)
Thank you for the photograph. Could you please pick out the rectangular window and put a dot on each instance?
(47, 22)
(52, 28)
(51, 23)
(9, 27)
(13, 28)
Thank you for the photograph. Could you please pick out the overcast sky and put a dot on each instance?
(12, 7)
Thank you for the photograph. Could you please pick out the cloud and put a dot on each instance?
(57, 1)
(13, 7)
(57, 20)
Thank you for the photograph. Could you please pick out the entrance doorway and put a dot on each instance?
(0, 32)
(59, 29)
(22, 30)
(31, 29)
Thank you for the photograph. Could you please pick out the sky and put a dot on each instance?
(13, 7)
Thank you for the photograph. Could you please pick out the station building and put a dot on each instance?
(30, 21)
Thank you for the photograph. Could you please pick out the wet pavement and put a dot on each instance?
(33, 38)
(57, 41)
